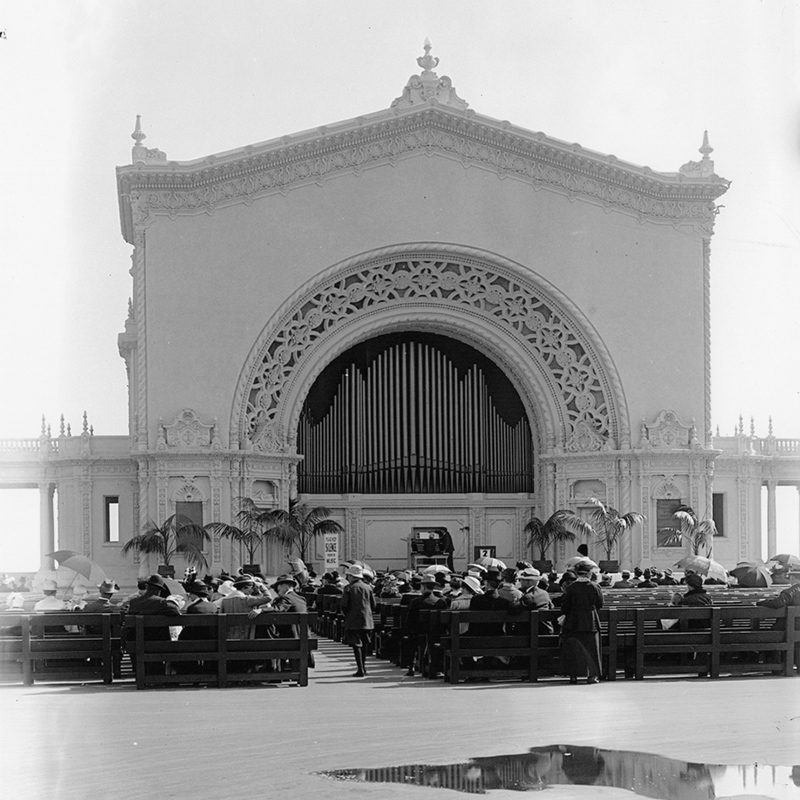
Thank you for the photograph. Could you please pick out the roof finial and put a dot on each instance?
(427, 62)
(44, 426)
(703, 168)
(85, 423)
(752, 426)
(138, 134)
(428, 86)
(140, 153)
(706, 149)
(61, 426)
(741, 425)
(770, 425)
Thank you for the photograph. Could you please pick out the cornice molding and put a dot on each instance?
(187, 188)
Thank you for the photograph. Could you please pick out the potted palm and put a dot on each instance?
(250, 533)
(178, 535)
(697, 533)
(559, 527)
(300, 526)
(610, 526)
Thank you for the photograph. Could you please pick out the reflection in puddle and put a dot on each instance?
(646, 775)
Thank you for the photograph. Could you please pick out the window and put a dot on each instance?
(664, 511)
(192, 510)
(112, 518)
(718, 512)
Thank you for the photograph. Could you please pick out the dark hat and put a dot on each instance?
(625, 574)
(694, 580)
(199, 588)
(108, 587)
(283, 579)
(509, 574)
(492, 575)
(243, 580)
(156, 582)
(331, 577)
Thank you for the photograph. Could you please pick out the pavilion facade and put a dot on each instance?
(422, 317)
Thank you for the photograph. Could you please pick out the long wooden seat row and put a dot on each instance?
(75, 646)
(707, 641)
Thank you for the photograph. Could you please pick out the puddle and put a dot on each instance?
(561, 764)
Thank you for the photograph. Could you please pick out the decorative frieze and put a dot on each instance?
(428, 128)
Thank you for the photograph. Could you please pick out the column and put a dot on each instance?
(772, 525)
(47, 534)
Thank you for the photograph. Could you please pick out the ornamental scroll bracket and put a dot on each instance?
(187, 432)
(667, 432)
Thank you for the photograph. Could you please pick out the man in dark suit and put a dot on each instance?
(103, 603)
(151, 602)
(358, 607)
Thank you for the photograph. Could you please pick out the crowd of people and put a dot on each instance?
(577, 593)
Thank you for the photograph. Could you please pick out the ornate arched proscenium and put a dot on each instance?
(547, 347)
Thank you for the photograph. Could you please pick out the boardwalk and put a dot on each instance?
(69, 741)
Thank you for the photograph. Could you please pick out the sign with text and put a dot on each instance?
(331, 545)
(485, 551)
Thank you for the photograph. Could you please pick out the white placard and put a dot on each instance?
(331, 544)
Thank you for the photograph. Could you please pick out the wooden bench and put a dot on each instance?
(46, 647)
(712, 640)
(220, 659)
(708, 641)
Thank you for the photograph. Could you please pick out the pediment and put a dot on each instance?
(430, 121)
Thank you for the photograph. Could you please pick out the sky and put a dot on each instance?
(641, 80)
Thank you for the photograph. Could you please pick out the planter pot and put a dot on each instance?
(608, 566)
(252, 569)
(166, 570)
(543, 566)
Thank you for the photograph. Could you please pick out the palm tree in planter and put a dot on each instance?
(559, 527)
(300, 526)
(178, 536)
(610, 526)
(697, 533)
(251, 532)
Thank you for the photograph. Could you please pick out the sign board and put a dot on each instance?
(485, 551)
(331, 545)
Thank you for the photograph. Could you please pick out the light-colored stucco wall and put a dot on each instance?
(214, 282)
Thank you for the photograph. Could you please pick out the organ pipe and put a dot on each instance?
(413, 419)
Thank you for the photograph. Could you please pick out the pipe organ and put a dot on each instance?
(414, 413)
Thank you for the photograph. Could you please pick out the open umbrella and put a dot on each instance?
(490, 563)
(174, 587)
(575, 560)
(752, 574)
(785, 560)
(434, 568)
(81, 564)
(703, 566)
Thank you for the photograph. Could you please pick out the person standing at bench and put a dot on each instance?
(358, 607)
(580, 630)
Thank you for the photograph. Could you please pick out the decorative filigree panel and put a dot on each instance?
(567, 362)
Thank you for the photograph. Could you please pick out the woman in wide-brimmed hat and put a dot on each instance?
(580, 629)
